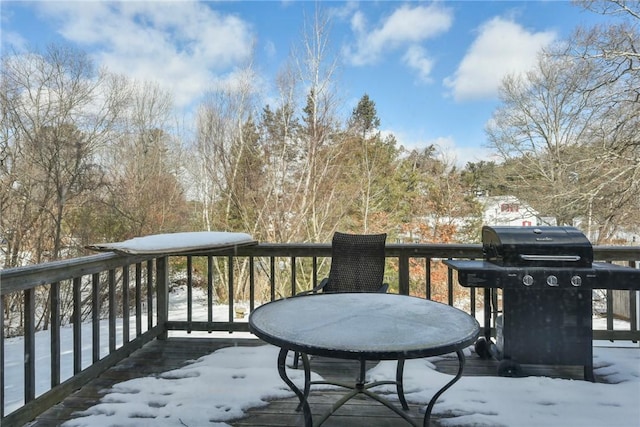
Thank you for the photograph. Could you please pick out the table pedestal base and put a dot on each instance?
(360, 388)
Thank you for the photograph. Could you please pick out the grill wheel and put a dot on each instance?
(482, 348)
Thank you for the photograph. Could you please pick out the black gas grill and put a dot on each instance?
(547, 275)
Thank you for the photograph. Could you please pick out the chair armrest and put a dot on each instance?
(317, 289)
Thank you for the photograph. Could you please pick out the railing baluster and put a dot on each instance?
(634, 319)
(77, 324)
(210, 290)
(29, 345)
(125, 304)
(293, 276)
(450, 286)
(272, 278)
(472, 302)
(149, 294)
(428, 278)
(609, 310)
(112, 310)
(95, 316)
(231, 286)
(55, 333)
(189, 292)
(252, 284)
(138, 299)
(2, 396)
(314, 281)
(2, 356)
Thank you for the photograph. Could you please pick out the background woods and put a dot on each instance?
(89, 156)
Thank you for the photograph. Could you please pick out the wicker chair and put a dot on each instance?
(357, 264)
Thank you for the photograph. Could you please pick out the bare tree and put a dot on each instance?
(543, 115)
(143, 165)
(314, 218)
(279, 131)
(567, 130)
(223, 148)
(57, 111)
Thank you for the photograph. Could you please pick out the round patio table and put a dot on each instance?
(364, 327)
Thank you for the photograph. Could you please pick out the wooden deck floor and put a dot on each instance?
(160, 356)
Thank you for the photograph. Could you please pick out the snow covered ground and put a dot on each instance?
(221, 386)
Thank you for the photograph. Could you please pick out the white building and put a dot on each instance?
(508, 210)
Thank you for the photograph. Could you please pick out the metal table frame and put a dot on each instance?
(277, 329)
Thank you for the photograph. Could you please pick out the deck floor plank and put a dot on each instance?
(162, 356)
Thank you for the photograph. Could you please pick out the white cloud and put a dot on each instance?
(10, 40)
(180, 45)
(417, 59)
(343, 11)
(406, 26)
(13, 40)
(502, 47)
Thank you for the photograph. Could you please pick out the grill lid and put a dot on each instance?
(536, 246)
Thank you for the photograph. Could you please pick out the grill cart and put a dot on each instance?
(547, 276)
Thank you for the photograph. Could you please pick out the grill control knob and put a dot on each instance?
(576, 281)
(552, 281)
(527, 280)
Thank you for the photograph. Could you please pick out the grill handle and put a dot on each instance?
(547, 258)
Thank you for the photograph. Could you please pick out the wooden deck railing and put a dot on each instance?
(111, 291)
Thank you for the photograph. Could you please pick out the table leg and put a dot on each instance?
(307, 379)
(400, 384)
(461, 361)
(282, 370)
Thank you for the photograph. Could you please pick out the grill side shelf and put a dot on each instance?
(484, 274)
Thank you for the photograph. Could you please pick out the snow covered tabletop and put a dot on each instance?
(371, 326)
(176, 243)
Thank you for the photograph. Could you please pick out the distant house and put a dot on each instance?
(509, 210)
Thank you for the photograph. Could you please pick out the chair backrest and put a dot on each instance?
(357, 263)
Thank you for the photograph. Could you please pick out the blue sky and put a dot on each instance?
(432, 68)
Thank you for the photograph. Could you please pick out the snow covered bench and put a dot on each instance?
(175, 243)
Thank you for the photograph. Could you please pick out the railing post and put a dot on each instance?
(403, 274)
(162, 294)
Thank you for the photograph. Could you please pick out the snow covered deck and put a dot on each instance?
(162, 356)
